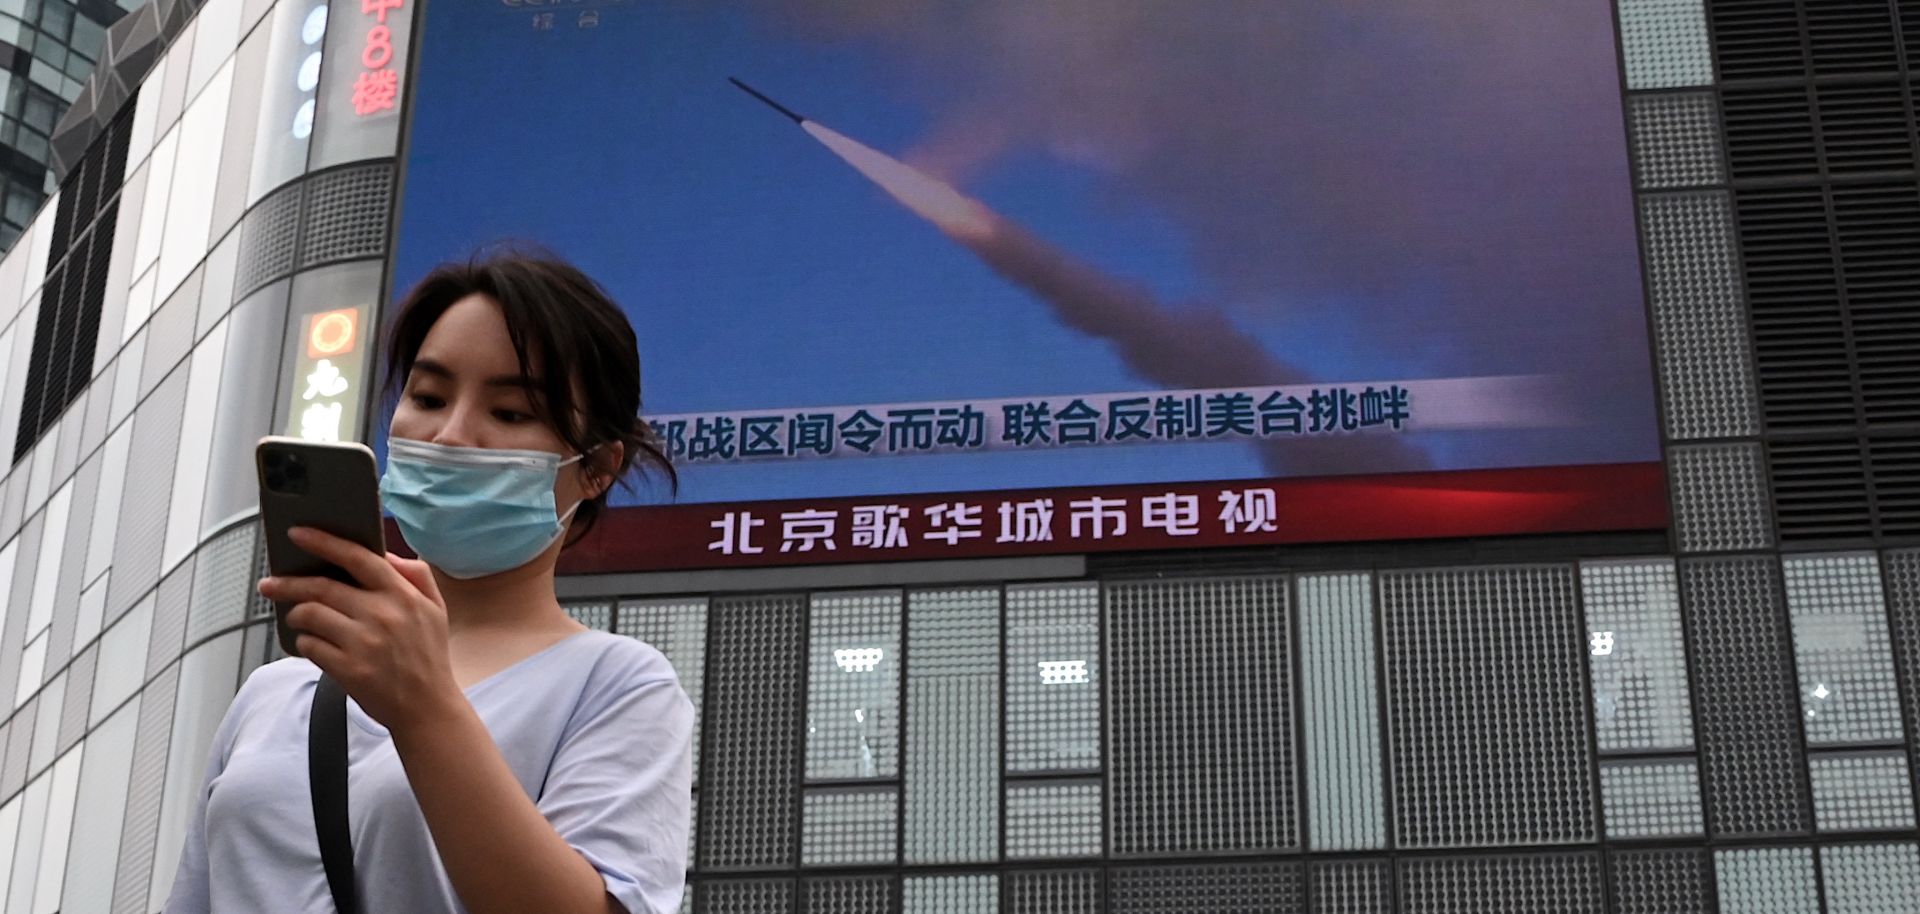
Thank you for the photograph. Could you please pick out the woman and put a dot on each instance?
(501, 756)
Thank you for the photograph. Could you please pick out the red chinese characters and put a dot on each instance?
(377, 88)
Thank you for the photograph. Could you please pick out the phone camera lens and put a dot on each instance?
(276, 480)
(274, 460)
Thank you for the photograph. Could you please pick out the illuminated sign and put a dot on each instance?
(328, 372)
(377, 88)
(1225, 274)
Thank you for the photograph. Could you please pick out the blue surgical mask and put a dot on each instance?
(471, 511)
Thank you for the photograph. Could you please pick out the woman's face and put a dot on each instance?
(466, 390)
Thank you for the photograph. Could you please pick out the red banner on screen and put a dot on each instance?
(1126, 518)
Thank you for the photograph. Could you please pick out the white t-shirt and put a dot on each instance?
(595, 727)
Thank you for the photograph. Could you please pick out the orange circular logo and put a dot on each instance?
(332, 333)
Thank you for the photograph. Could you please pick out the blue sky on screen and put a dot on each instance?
(1401, 190)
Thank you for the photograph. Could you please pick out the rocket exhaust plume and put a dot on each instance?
(1193, 349)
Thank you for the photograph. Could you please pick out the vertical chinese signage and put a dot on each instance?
(365, 81)
(329, 371)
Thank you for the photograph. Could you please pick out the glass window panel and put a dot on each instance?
(856, 825)
(1857, 791)
(1053, 678)
(189, 216)
(1637, 655)
(1651, 799)
(1342, 710)
(678, 629)
(953, 726)
(853, 686)
(1767, 881)
(1053, 819)
(1841, 647)
(280, 142)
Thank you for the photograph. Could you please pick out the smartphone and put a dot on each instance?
(333, 487)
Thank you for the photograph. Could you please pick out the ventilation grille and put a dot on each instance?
(1537, 884)
(1847, 489)
(269, 238)
(1660, 882)
(1699, 315)
(1252, 888)
(1757, 38)
(347, 212)
(753, 752)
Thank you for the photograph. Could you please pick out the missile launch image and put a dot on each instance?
(1023, 209)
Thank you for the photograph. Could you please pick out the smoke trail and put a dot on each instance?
(1194, 349)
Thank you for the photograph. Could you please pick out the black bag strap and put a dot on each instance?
(327, 771)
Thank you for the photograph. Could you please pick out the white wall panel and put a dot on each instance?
(46, 578)
(113, 305)
(98, 812)
(87, 619)
(123, 660)
(53, 847)
(153, 214)
(106, 506)
(146, 114)
(39, 241)
(40, 476)
(207, 679)
(9, 832)
(190, 202)
(26, 850)
(196, 439)
(33, 665)
(21, 349)
(219, 34)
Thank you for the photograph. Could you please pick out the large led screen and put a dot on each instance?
(924, 278)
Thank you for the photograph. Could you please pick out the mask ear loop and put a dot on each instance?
(568, 517)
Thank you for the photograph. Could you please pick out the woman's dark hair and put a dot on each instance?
(569, 337)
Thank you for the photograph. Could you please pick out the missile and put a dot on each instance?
(756, 93)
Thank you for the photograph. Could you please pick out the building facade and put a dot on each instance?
(48, 49)
(1723, 716)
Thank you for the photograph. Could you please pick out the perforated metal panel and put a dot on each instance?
(269, 238)
(1665, 43)
(1053, 892)
(1842, 649)
(73, 717)
(1748, 725)
(1699, 316)
(1053, 819)
(1651, 798)
(677, 629)
(1638, 655)
(1202, 716)
(1719, 497)
(1486, 706)
(1772, 880)
(1676, 140)
(747, 789)
(853, 686)
(850, 895)
(1871, 878)
(1053, 677)
(223, 582)
(169, 617)
(19, 748)
(594, 614)
(1346, 802)
(1903, 602)
(348, 210)
(1535, 884)
(1861, 791)
(152, 732)
(952, 894)
(1353, 887)
(1661, 882)
(1246, 888)
(143, 507)
(953, 726)
(744, 896)
(849, 825)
